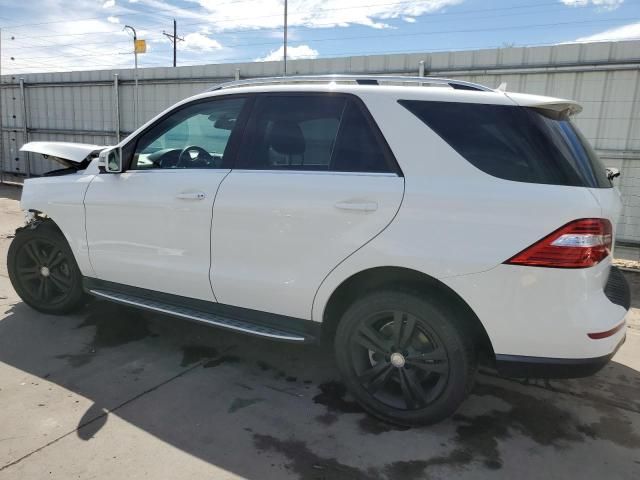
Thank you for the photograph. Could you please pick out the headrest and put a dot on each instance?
(286, 138)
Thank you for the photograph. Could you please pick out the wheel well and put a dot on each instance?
(40, 219)
(395, 277)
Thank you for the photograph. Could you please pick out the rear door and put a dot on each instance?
(313, 182)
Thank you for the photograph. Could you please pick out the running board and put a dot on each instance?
(199, 316)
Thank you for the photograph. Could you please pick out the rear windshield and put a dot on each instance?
(515, 143)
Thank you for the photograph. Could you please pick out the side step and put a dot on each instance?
(199, 316)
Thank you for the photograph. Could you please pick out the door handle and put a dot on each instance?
(191, 196)
(357, 206)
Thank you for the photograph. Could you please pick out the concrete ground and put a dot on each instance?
(117, 393)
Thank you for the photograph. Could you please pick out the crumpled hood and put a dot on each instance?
(66, 153)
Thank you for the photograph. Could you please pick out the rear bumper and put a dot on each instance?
(537, 315)
(539, 367)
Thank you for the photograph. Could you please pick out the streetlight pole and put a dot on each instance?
(135, 75)
(285, 38)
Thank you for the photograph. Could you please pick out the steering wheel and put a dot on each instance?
(185, 160)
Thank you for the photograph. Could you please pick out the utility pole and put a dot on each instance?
(174, 39)
(285, 38)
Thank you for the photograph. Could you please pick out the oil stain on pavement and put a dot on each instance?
(476, 439)
(114, 326)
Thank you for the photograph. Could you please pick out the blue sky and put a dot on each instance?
(58, 35)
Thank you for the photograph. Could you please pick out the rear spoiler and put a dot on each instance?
(556, 105)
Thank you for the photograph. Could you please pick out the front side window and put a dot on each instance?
(516, 143)
(312, 132)
(196, 136)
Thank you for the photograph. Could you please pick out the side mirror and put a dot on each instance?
(110, 160)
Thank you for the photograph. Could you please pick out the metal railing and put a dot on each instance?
(358, 79)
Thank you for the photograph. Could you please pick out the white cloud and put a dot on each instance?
(293, 53)
(626, 32)
(101, 44)
(409, 19)
(312, 13)
(606, 4)
(199, 42)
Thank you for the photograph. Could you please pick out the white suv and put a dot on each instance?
(420, 224)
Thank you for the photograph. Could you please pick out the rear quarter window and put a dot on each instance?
(515, 143)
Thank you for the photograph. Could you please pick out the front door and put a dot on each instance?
(150, 226)
(313, 182)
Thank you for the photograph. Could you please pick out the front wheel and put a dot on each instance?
(404, 357)
(43, 270)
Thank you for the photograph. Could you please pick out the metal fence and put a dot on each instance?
(98, 106)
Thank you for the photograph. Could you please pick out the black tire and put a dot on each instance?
(405, 358)
(43, 270)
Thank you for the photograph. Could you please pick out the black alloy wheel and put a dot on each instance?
(43, 270)
(399, 361)
(404, 357)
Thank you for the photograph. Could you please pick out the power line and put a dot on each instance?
(257, 30)
(343, 54)
(119, 15)
(412, 34)
(219, 20)
(74, 46)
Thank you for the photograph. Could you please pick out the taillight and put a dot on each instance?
(579, 244)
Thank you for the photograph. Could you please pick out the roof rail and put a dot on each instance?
(359, 79)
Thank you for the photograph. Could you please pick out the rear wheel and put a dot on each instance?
(43, 270)
(404, 357)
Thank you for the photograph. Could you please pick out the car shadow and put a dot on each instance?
(226, 398)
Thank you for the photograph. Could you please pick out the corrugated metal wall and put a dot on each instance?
(604, 77)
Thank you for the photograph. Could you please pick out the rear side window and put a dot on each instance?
(357, 147)
(515, 143)
(315, 133)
